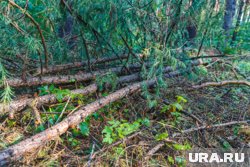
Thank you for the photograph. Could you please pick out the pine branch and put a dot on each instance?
(12, 3)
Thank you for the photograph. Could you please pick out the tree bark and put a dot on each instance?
(59, 68)
(228, 16)
(246, 12)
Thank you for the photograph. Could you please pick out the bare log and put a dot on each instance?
(222, 83)
(59, 68)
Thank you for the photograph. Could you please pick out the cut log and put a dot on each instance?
(16, 151)
(59, 68)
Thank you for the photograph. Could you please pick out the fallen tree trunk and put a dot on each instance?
(18, 150)
(35, 81)
(19, 105)
(59, 68)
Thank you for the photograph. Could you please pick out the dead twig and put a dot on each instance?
(222, 83)
(36, 112)
(60, 116)
(114, 144)
(208, 127)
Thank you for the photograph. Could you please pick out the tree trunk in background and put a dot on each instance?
(192, 32)
(191, 25)
(217, 6)
(66, 27)
(240, 12)
(246, 12)
(228, 17)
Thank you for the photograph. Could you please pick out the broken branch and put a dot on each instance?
(222, 83)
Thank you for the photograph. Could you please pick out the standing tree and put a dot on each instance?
(240, 12)
(228, 17)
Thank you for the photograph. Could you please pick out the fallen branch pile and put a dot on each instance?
(62, 79)
(19, 105)
(16, 151)
(59, 68)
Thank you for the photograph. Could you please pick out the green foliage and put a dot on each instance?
(244, 67)
(118, 151)
(180, 147)
(109, 79)
(226, 145)
(236, 130)
(154, 32)
(40, 128)
(201, 70)
(11, 123)
(161, 136)
(118, 130)
(180, 161)
(6, 93)
(60, 93)
(73, 142)
(174, 109)
(84, 127)
(171, 160)
(176, 106)
(230, 50)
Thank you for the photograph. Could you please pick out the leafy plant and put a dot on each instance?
(84, 127)
(73, 142)
(60, 93)
(180, 161)
(180, 147)
(119, 129)
(161, 136)
(174, 108)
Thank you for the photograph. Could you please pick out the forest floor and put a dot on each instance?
(129, 133)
